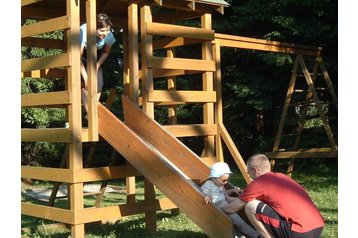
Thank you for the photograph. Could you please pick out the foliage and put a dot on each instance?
(255, 83)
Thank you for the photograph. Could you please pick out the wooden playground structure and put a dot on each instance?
(146, 145)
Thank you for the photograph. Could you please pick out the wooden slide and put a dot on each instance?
(166, 162)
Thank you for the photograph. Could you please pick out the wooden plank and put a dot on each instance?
(60, 98)
(180, 63)
(234, 152)
(46, 212)
(46, 134)
(191, 130)
(174, 16)
(117, 212)
(60, 60)
(43, 43)
(29, 2)
(309, 153)
(153, 132)
(45, 26)
(162, 29)
(159, 170)
(170, 42)
(47, 174)
(39, 14)
(103, 173)
(266, 45)
(162, 73)
(45, 73)
(181, 96)
(187, 6)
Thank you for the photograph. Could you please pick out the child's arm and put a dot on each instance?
(234, 191)
(205, 189)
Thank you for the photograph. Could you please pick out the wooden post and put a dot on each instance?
(208, 108)
(219, 104)
(74, 109)
(172, 112)
(92, 98)
(133, 52)
(148, 107)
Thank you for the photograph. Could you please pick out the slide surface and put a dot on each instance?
(165, 162)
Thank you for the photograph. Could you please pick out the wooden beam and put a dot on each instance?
(187, 6)
(46, 212)
(304, 153)
(177, 96)
(180, 63)
(103, 173)
(53, 99)
(43, 43)
(191, 130)
(179, 31)
(266, 45)
(45, 26)
(47, 174)
(60, 60)
(47, 134)
(29, 2)
(174, 16)
(45, 73)
(117, 212)
(234, 152)
(160, 73)
(39, 14)
(170, 42)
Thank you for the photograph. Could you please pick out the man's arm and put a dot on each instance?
(234, 206)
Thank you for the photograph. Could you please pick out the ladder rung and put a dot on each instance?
(311, 103)
(311, 74)
(306, 90)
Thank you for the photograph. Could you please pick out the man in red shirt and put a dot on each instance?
(276, 205)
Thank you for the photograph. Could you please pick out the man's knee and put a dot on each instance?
(250, 207)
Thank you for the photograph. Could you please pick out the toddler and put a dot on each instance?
(214, 191)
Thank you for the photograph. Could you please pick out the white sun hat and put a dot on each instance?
(219, 169)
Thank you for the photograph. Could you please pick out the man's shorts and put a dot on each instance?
(278, 226)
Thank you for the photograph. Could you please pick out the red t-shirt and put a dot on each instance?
(287, 198)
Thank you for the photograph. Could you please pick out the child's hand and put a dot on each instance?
(207, 199)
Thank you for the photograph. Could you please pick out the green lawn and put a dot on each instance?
(321, 182)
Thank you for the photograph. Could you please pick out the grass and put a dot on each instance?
(319, 180)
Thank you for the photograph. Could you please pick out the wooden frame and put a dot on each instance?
(155, 158)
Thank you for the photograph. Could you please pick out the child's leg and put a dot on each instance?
(243, 227)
